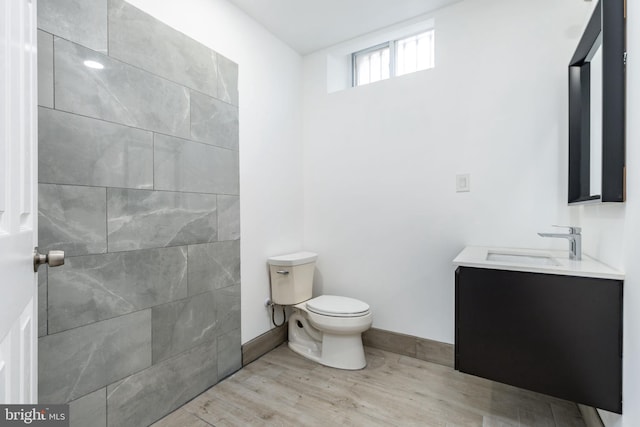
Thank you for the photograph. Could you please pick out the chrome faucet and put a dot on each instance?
(574, 237)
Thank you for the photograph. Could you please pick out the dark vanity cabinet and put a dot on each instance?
(557, 335)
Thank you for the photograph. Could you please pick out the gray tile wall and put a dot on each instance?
(45, 69)
(71, 218)
(170, 53)
(84, 151)
(140, 219)
(140, 399)
(81, 360)
(139, 185)
(83, 21)
(183, 165)
(90, 410)
(119, 92)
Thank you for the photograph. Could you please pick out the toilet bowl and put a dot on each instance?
(326, 329)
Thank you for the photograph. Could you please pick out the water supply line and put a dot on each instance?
(273, 314)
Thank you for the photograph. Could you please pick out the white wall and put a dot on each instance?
(612, 233)
(380, 160)
(270, 137)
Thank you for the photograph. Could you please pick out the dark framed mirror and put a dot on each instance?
(597, 108)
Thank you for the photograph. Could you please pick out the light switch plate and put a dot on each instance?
(463, 183)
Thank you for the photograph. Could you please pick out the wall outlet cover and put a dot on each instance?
(463, 183)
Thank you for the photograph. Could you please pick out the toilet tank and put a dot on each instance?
(292, 277)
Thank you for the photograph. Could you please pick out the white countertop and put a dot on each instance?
(476, 256)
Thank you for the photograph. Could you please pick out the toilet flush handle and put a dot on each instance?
(282, 272)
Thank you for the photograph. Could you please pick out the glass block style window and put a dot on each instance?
(394, 58)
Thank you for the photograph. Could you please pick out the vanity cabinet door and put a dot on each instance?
(558, 335)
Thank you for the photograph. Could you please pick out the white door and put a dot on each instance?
(18, 202)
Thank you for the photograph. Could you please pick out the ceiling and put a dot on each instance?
(311, 25)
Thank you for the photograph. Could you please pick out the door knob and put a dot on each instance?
(53, 258)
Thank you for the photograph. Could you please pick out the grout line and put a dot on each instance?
(109, 55)
(190, 115)
(153, 161)
(155, 248)
(217, 218)
(187, 273)
(100, 321)
(47, 302)
(140, 250)
(138, 189)
(106, 217)
(108, 30)
(53, 69)
(139, 128)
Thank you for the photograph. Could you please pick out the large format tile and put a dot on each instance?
(229, 353)
(82, 360)
(228, 217)
(45, 69)
(89, 410)
(81, 21)
(146, 396)
(181, 325)
(146, 219)
(227, 309)
(83, 151)
(97, 287)
(141, 40)
(72, 219)
(214, 122)
(213, 266)
(182, 165)
(119, 92)
(227, 80)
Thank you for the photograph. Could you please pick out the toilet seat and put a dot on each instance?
(336, 306)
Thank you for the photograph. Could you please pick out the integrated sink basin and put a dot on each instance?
(547, 261)
(521, 258)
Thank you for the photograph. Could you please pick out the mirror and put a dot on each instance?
(595, 118)
(596, 108)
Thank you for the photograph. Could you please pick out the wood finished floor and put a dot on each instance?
(284, 389)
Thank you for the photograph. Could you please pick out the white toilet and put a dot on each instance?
(327, 329)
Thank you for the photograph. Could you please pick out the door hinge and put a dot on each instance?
(624, 57)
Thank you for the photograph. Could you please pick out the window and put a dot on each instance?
(414, 53)
(371, 65)
(394, 58)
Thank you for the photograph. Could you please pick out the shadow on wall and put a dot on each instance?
(318, 283)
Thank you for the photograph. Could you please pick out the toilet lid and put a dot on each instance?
(331, 305)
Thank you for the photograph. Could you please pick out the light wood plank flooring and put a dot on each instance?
(284, 389)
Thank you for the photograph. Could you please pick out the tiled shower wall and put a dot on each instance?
(139, 185)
